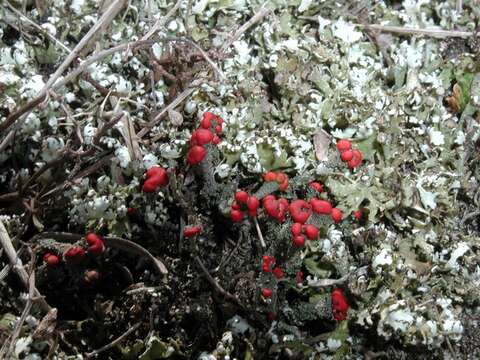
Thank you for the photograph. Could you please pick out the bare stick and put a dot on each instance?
(437, 33)
(114, 342)
(69, 77)
(259, 232)
(207, 58)
(102, 23)
(215, 284)
(459, 6)
(17, 265)
(161, 22)
(38, 27)
(26, 310)
(111, 241)
(255, 18)
(182, 96)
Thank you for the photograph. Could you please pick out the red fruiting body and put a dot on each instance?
(299, 241)
(268, 261)
(218, 129)
(322, 207)
(282, 181)
(236, 215)
(281, 177)
(343, 145)
(283, 186)
(235, 206)
(356, 159)
(339, 305)
(252, 212)
(311, 231)
(275, 208)
(296, 229)
(336, 215)
(196, 154)
(252, 203)
(357, 214)
(216, 140)
(347, 155)
(131, 211)
(192, 231)
(299, 277)
(270, 176)
(316, 186)
(241, 196)
(74, 255)
(205, 123)
(156, 177)
(209, 116)
(278, 273)
(96, 246)
(201, 137)
(51, 259)
(300, 210)
(92, 238)
(266, 292)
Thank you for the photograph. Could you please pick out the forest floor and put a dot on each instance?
(238, 179)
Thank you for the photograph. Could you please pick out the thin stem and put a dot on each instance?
(259, 232)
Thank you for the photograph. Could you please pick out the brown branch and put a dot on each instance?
(114, 242)
(114, 342)
(216, 285)
(259, 15)
(17, 265)
(12, 118)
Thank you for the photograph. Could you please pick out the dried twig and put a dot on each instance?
(437, 33)
(161, 22)
(259, 232)
(206, 57)
(37, 27)
(17, 265)
(104, 20)
(259, 15)
(215, 284)
(114, 342)
(114, 242)
(459, 6)
(182, 96)
(25, 312)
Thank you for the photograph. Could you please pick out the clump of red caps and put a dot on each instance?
(95, 244)
(74, 255)
(315, 185)
(279, 177)
(208, 133)
(276, 208)
(243, 203)
(353, 157)
(300, 211)
(51, 259)
(324, 207)
(267, 263)
(156, 177)
(300, 231)
(339, 304)
(358, 214)
(191, 231)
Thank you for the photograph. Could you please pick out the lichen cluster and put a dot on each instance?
(409, 103)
